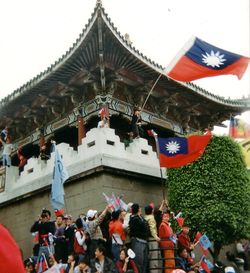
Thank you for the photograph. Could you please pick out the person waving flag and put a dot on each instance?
(199, 59)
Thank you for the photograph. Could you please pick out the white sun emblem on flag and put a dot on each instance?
(213, 59)
(173, 147)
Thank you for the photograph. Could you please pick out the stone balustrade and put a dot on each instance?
(100, 147)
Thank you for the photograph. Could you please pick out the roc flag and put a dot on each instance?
(10, 255)
(104, 111)
(197, 241)
(55, 269)
(204, 242)
(179, 151)
(245, 146)
(42, 264)
(238, 128)
(60, 175)
(206, 265)
(199, 59)
(152, 133)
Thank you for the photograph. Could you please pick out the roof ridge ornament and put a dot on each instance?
(98, 3)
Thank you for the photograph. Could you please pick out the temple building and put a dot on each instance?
(101, 69)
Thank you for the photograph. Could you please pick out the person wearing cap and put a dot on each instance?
(126, 220)
(94, 229)
(139, 230)
(154, 256)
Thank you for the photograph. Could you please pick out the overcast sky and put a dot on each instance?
(35, 33)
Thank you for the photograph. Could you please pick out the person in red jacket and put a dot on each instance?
(167, 244)
(117, 233)
(185, 242)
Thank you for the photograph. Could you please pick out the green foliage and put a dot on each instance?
(214, 192)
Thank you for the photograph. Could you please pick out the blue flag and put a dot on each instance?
(60, 175)
(204, 242)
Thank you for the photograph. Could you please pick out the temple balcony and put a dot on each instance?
(100, 147)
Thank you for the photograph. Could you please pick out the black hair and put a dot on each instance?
(230, 256)
(125, 251)
(46, 211)
(148, 210)
(180, 250)
(79, 223)
(115, 214)
(135, 208)
(102, 249)
(84, 260)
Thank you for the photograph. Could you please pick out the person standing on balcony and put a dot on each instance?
(7, 150)
(136, 122)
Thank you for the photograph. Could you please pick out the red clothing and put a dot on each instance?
(184, 241)
(165, 231)
(116, 227)
(131, 265)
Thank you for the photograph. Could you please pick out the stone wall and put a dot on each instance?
(101, 164)
(81, 195)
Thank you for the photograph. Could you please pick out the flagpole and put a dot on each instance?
(150, 91)
(163, 184)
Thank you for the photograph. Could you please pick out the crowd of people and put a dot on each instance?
(112, 241)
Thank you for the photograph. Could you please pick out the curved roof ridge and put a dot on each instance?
(54, 66)
(160, 69)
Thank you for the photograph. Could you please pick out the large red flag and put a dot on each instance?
(10, 255)
(199, 59)
(179, 151)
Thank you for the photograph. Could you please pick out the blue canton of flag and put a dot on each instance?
(173, 146)
(205, 242)
(60, 175)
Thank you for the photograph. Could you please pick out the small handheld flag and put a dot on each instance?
(199, 59)
(197, 241)
(42, 264)
(204, 242)
(206, 265)
(152, 133)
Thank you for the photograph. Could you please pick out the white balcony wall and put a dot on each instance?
(100, 147)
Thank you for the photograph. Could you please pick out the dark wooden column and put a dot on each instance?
(81, 129)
